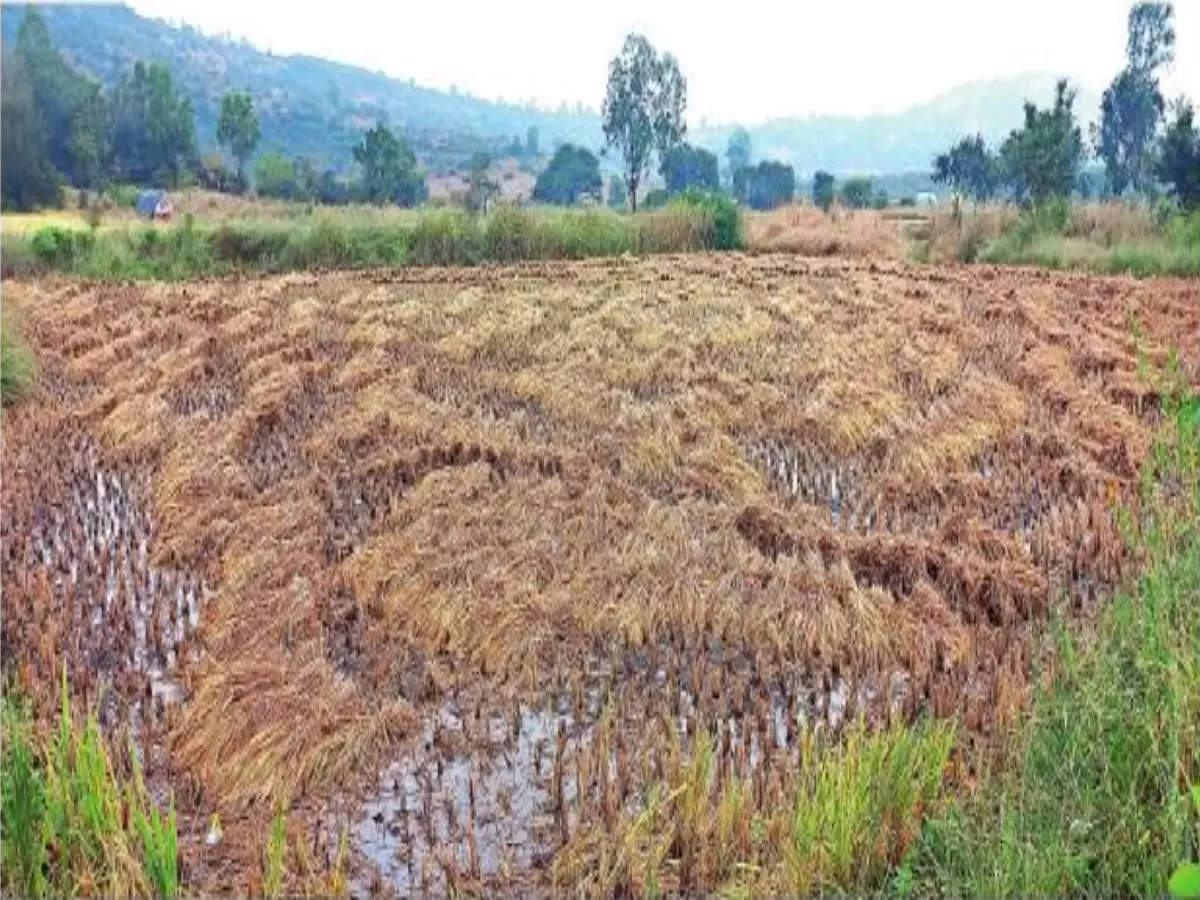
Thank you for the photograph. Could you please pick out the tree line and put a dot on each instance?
(61, 128)
(1143, 150)
(58, 126)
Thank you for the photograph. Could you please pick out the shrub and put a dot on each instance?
(61, 247)
(122, 195)
(723, 218)
(244, 243)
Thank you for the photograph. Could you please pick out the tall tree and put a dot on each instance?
(1042, 158)
(1151, 35)
(1178, 162)
(153, 128)
(765, 186)
(737, 150)
(88, 140)
(237, 128)
(643, 108)
(27, 177)
(1132, 106)
(573, 172)
(389, 168)
(59, 92)
(685, 166)
(822, 190)
(968, 168)
(857, 192)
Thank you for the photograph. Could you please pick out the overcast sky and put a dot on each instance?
(744, 61)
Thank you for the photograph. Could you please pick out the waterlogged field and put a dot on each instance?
(562, 575)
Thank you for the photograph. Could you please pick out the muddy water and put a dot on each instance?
(489, 792)
(128, 622)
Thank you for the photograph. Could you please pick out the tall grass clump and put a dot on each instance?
(331, 239)
(1096, 800)
(841, 824)
(275, 853)
(69, 826)
(1109, 238)
(17, 369)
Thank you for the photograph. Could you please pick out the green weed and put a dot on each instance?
(274, 856)
(68, 826)
(1095, 802)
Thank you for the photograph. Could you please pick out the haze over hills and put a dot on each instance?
(320, 108)
(905, 141)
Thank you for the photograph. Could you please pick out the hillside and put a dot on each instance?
(320, 108)
(905, 141)
(306, 105)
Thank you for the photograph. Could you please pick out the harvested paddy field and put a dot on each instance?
(463, 562)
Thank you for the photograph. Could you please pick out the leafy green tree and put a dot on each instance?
(1041, 159)
(857, 192)
(237, 128)
(154, 130)
(823, 190)
(765, 186)
(617, 195)
(643, 108)
(880, 199)
(71, 108)
(27, 177)
(968, 168)
(1150, 41)
(737, 150)
(1130, 111)
(88, 140)
(685, 166)
(1132, 106)
(273, 176)
(389, 168)
(573, 172)
(58, 90)
(1178, 162)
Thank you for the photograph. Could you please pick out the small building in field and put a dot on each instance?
(154, 205)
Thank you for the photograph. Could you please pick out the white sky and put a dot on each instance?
(743, 61)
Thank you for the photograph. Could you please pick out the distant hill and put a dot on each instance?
(306, 105)
(906, 141)
(320, 108)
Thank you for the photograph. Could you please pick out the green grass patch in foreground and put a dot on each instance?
(63, 814)
(17, 368)
(1096, 799)
(330, 239)
(843, 822)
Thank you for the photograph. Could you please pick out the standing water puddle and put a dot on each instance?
(128, 622)
(488, 792)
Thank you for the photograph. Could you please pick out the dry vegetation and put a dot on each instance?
(800, 228)
(488, 548)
